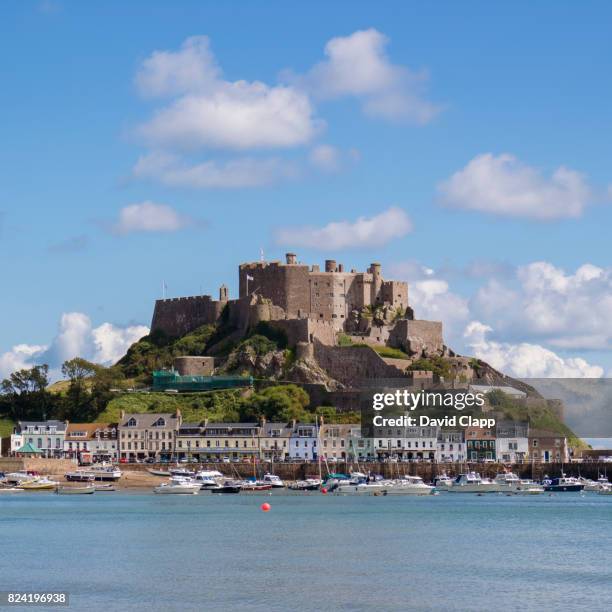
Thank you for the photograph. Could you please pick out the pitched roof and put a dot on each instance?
(28, 447)
(146, 419)
(42, 425)
(88, 428)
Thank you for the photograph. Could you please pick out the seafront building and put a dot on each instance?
(91, 442)
(512, 441)
(406, 443)
(303, 443)
(450, 446)
(547, 447)
(143, 435)
(480, 444)
(47, 437)
(274, 440)
(205, 441)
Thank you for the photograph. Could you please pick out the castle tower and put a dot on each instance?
(223, 293)
(375, 270)
(330, 265)
(290, 258)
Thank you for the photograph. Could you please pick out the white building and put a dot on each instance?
(91, 442)
(512, 441)
(47, 436)
(303, 443)
(406, 443)
(450, 447)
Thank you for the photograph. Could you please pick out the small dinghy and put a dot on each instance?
(63, 490)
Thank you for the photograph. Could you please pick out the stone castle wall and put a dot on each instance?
(352, 365)
(417, 337)
(178, 316)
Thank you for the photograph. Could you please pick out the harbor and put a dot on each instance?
(132, 550)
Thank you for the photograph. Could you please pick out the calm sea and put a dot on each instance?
(128, 551)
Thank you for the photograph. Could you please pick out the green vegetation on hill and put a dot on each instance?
(157, 351)
(6, 427)
(538, 416)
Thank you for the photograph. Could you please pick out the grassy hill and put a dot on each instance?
(195, 407)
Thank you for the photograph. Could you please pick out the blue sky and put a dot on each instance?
(512, 100)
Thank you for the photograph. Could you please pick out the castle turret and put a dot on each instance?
(375, 270)
(223, 293)
(291, 258)
(330, 265)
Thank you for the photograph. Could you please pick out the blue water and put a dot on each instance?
(127, 551)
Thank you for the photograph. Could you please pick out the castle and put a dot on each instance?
(311, 306)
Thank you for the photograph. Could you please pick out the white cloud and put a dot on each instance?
(503, 185)
(191, 69)
(233, 174)
(565, 310)
(111, 342)
(374, 231)
(76, 337)
(149, 217)
(19, 357)
(212, 113)
(326, 158)
(357, 65)
(525, 360)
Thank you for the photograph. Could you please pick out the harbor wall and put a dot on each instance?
(43, 466)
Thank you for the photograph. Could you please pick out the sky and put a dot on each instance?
(464, 146)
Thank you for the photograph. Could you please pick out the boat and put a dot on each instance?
(39, 484)
(229, 486)
(158, 472)
(443, 482)
(79, 476)
(362, 488)
(104, 472)
(181, 472)
(409, 485)
(105, 487)
(86, 490)
(310, 484)
(605, 491)
(252, 486)
(563, 484)
(507, 481)
(178, 486)
(529, 487)
(471, 482)
(274, 480)
(11, 490)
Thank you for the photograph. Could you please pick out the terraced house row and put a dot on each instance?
(158, 436)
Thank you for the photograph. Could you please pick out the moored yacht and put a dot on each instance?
(507, 481)
(274, 480)
(443, 482)
(409, 485)
(471, 482)
(178, 486)
(310, 484)
(563, 484)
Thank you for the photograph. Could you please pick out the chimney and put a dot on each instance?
(340, 267)
(330, 265)
(290, 258)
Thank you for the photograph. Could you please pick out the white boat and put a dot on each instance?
(529, 487)
(105, 472)
(181, 472)
(179, 486)
(11, 490)
(87, 490)
(507, 481)
(605, 491)
(362, 488)
(409, 485)
(274, 480)
(471, 482)
(443, 482)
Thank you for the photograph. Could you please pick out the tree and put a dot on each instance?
(26, 394)
(77, 401)
(277, 403)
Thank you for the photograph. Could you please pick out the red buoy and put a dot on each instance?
(265, 507)
(324, 491)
